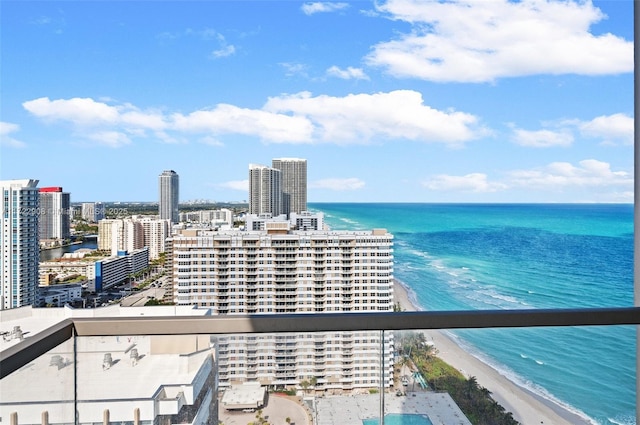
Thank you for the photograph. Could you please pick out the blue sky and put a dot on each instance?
(396, 101)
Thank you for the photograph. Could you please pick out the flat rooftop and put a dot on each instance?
(352, 410)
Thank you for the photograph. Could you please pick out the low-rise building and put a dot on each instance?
(114, 270)
(58, 295)
(145, 379)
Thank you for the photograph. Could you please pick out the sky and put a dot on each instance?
(388, 101)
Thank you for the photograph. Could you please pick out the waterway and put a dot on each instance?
(51, 254)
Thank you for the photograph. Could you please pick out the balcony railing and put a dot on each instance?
(77, 345)
(23, 352)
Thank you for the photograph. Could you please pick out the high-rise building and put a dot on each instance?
(19, 248)
(156, 232)
(54, 214)
(265, 190)
(294, 184)
(116, 235)
(276, 272)
(93, 211)
(169, 189)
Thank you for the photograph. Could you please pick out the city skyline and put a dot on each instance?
(397, 101)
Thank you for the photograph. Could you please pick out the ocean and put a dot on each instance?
(523, 256)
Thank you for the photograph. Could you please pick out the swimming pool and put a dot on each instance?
(399, 419)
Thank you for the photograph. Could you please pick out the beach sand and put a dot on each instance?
(526, 407)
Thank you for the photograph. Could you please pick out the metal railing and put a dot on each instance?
(20, 354)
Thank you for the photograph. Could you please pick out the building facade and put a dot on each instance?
(222, 217)
(116, 269)
(19, 247)
(294, 184)
(156, 232)
(265, 190)
(116, 235)
(57, 295)
(55, 214)
(93, 211)
(169, 193)
(291, 272)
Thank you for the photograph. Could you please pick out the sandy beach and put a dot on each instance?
(526, 407)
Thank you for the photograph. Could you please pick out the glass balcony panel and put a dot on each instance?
(560, 375)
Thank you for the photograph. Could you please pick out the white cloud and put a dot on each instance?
(590, 174)
(357, 118)
(338, 184)
(224, 52)
(542, 138)
(291, 69)
(236, 185)
(6, 140)
(484, 40)
(105, 124)
(81, 111)
(297, 118)
(270, 126)
(474, 182)
(347, 74)
(560, 175)
(317, 7)
(612, 129)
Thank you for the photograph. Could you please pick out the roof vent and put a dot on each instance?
(134, 356)
(107, 361)
(16, 333)
(57, 361)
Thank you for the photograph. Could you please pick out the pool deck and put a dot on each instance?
(351, 410)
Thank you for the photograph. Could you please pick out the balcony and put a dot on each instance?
(122, 355)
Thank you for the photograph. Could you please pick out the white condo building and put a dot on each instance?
(19, 248)
(133, 233)
(156, 231)
(54, 214)
(265, 190)
(120, 235)
(291, 272)
(169, 193)
(294, 184)
(222, 217)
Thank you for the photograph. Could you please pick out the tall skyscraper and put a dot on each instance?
(54, 214)
(265, 190)
(168, 188)
(294, 184)
(19, 248)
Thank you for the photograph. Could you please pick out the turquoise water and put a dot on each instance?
(399, 419)
(473, 256)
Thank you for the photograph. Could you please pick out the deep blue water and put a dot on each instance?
(500, 256)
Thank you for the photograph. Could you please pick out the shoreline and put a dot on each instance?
(527, 407)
